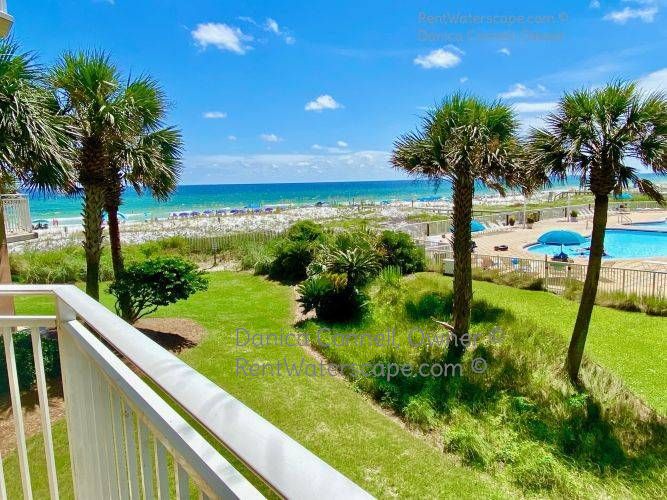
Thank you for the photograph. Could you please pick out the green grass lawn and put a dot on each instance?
(632, 345)
(326, 415)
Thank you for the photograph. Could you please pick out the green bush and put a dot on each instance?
(398, 249)
(156, 282)
(25, 364)
(291, 259)
(293, 254)
(331, 297)
(305, 230)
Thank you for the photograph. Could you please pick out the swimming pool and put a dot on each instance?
(618, 244)
(658, 225)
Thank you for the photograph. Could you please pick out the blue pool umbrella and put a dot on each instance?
(561, 237)
(623, 196)
(476, 225)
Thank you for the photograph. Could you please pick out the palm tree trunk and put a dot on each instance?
(463, 190)
(123, 305)
(93, 202)
(578, 340)
(114, 240)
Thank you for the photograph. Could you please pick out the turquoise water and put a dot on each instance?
(202, 197)
(658, 225)
(618, 244)
(241, 195)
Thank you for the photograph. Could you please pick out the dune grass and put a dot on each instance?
(520, 420)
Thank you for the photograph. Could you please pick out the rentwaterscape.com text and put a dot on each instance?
(388, 371)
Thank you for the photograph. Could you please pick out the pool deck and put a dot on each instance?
(517, 237)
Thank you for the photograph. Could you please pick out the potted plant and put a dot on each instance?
(511, 221)
(573, 215)
(530, 220)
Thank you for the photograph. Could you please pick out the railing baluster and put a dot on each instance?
(146, 459)
(162, 470)
(95, 431)
(119, 441)
(40, 378)
(182, 482)
(131, 450)
(17, 411)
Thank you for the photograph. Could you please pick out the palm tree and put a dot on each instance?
(33, 137)
(467, 141)
(148, 158)
(592, 134)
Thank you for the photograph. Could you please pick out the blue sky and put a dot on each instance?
(276, 91)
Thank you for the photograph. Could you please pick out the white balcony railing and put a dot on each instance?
(125, 440)
(17, 214)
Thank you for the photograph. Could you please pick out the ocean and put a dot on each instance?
(219, 196)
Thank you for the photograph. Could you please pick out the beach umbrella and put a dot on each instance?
(561, 237)
(476, 225)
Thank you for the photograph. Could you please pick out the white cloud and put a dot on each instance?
(324, 101)
(341, 144)
(595, 4)
(231, 138)
(505, 51)
(272, 26)
(654, 82)
(517, 90)
(645, 14)
(215, 115)
(270, 138)
(447, 57)
(316, 147)
(463, 79)
(302, 167)
(535, 107)
(222, 36)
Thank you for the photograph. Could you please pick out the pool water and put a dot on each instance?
(618, 244)
(658, 225)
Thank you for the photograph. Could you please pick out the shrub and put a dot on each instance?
(574, 213)
(291, 259)
(25, 365)
(398, 249)
(156, 282)
(331, 297)
(359, 264)
(305, 230)
(293, 254)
